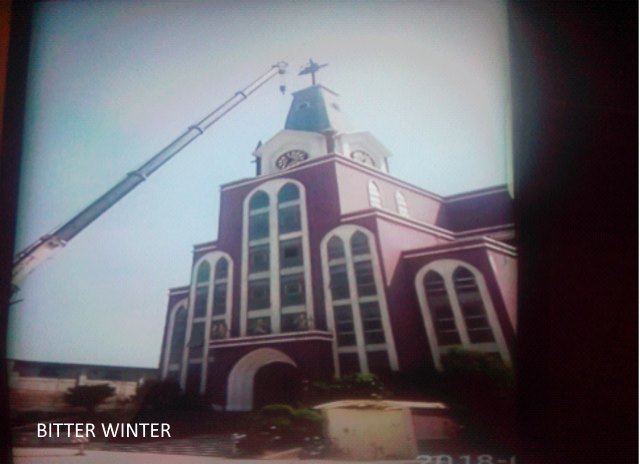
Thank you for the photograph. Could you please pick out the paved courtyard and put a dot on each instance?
(68, 456)
(200, 445)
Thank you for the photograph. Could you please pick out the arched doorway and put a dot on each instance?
(276, 383)
(240, 384)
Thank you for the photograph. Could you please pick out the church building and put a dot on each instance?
(326, 264)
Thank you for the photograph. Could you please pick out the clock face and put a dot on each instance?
(363, 157)
(291, 158)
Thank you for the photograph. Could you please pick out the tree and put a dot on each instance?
(158, 395)
(482, 385)
(89, 396)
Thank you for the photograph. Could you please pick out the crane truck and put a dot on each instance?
(45, 246)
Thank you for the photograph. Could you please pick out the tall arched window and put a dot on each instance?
(355, 303)
(335, 248)
(259, 216)
(470, 300)
(175, 341)
(359, 244)
(440, 309)
(209, 316)
(178, 335)
(276, 290)
(219, 327)
(401, 204)
(202, 289)
(457, 310)
(288, 209)
(375, 199)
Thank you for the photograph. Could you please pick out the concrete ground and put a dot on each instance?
(69, 456)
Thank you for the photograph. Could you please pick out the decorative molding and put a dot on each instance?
(394, 217)
(484, 242)
(476, 193)
(289, 337)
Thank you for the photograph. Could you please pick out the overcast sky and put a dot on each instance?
(112, 83)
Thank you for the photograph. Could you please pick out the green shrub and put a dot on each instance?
(289, 420)
(273, 410)
(307, 415)
(88, 396)
(486, 369)
(352, 386)
(158, 395)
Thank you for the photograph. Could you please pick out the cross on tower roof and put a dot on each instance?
(312, 68)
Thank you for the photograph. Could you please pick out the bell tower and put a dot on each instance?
(315, 127)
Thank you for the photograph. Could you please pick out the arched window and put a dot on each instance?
(276, 295)
(202, 289)
(289, 209)
(222, 267)
(288, 193)
(457, 310)
(209, 316)
(178, 335)
(204, 271)
(440, 308)
(359, 244)
(375, 199)
(259, 200)
(473, 311)
(259, 216)
(335, 248)
(401, 204)
(355, 303)
(220, 288)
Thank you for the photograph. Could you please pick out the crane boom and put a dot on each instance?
(43, 248)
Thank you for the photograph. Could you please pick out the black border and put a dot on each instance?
(575, 77)
(12, 129)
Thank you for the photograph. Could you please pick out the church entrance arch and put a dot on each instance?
(276, 383)
(240, 384)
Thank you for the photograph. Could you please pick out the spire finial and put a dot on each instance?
(312, 68)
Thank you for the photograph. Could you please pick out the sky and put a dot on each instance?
(113, 82)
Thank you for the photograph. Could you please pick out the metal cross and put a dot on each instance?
(312, 68)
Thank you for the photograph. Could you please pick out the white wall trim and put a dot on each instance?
(271, 339)
(241, 377)
(457, 246)
(394, 217)
(168, 336)
(345, 161)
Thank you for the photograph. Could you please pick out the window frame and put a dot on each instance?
(277, 241)
(375, 195)
(345, 233)
(446, 268)
(212, 258)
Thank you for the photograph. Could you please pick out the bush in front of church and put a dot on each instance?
(290, 421)
(352, 386)
(88, 396)
(281, 426)
(480, 388)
